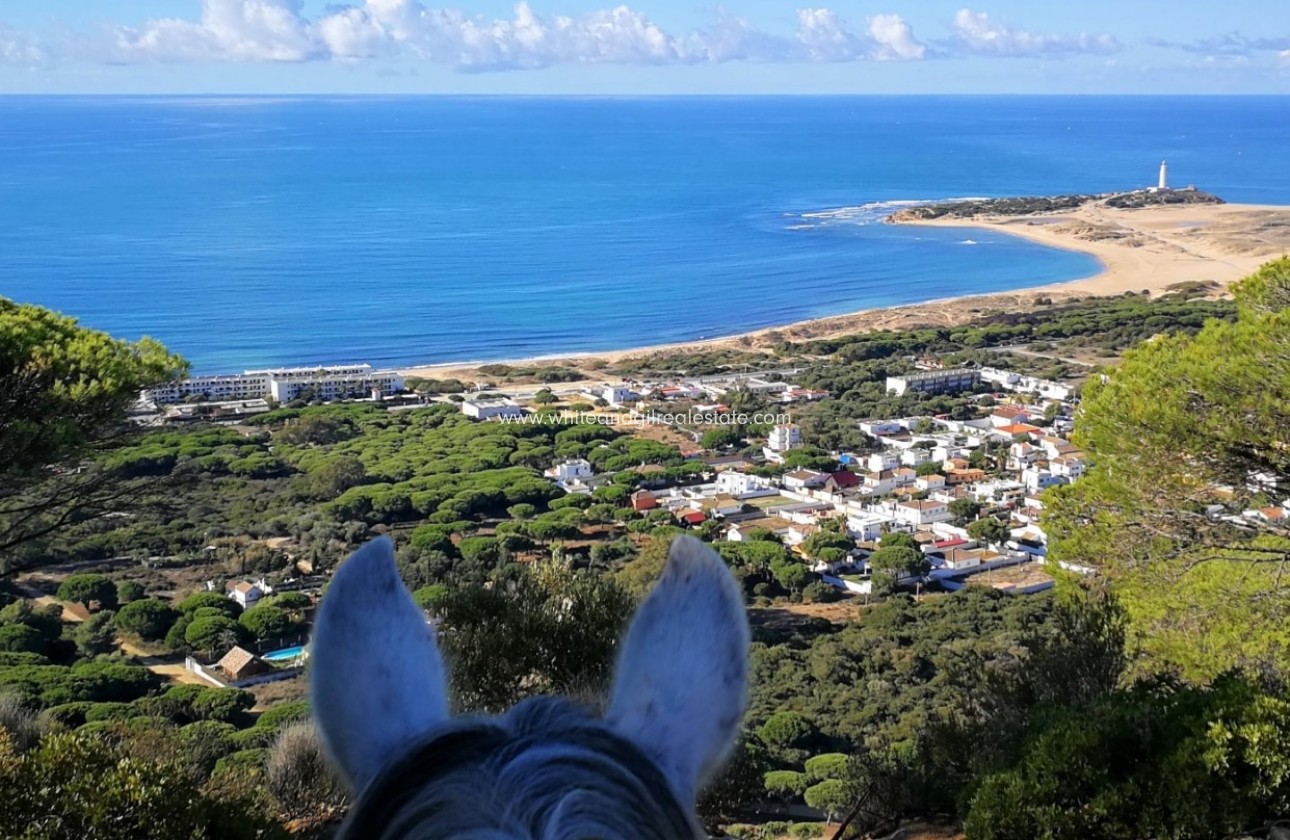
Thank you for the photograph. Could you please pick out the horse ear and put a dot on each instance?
(681, 684)
(377, 677)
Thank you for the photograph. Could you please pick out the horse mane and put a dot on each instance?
(546, 769)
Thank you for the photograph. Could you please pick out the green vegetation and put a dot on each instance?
(1184, 423)
(63, 395)
(1151, 704)
(89, 589)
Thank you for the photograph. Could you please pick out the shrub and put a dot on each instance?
(786, 730)
(88, 589)
(282, 714)
(828, 766)
(213, 600)
(205, 742)
(299, 775)
(95, 637)
(110, 711)
(175, 636)
(215, 635)
(128, 591)
(149, 618)
(19, 723)
(69, 715)
(830, 796)
(105, 789)
(785, 784)
(241, 763)
(268, 622)
(19, 638)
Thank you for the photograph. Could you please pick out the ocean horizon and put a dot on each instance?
(261, 231)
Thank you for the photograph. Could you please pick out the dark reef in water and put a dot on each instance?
(1032, 205)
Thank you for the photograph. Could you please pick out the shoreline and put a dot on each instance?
(1146, 249)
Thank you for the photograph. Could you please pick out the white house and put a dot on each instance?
(885, 460)
(922, 513)
(246, 593)
(571, 471)
(868, 527)
(880, 483)
(781, 440)
(1055, 447)
(1067, 466)
(958, 559)
(798, 534)
(794, 394)
(743, 486)
(488, 409)
(915, 455)
(881, 428)
(615, 395)
(948, 452)
(1037, 480)
(1012, 381)
(1008, 415)
(1022, 455)
(720, 505)
(933, 481)
(1001, 490)
(804, 480)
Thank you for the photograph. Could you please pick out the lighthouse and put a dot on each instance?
(1164, 176)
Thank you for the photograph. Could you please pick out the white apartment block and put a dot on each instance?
(1012, 381)
(282, 384)
(784, 438)
(935, 382)
(780, 440)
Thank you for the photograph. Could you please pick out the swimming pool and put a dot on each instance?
(284, 654)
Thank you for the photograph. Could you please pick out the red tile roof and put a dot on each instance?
(845, 478)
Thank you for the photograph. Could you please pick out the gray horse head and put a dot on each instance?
(546, 769)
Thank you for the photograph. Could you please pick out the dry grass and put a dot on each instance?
(282, 691)
(786, 615)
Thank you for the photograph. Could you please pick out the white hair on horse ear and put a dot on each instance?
(377, 677)
(681, 684)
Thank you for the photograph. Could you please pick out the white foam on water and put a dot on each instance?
(872, 213)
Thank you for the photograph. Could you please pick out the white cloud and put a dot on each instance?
(229, 30)
(975, 33)
(1229, 43)
(20, 48)
(824, 36)
(733, 38)
(894, 39)
(1283, 58)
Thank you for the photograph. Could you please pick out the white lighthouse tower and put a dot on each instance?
(1164, 176)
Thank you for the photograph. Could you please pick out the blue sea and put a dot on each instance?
(265, 231)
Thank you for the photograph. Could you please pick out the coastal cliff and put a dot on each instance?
(1034, 205)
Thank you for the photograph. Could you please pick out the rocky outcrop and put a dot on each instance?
(1038, 205)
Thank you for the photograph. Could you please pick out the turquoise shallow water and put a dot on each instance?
(258, 231)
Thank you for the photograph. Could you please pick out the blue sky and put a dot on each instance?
(646, 46)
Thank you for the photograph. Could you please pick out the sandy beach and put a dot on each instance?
(1148, 249)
